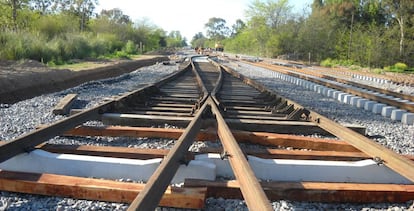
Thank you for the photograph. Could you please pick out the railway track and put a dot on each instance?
(206, 102)
(397, 106)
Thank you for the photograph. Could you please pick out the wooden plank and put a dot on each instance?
(159, 108)
(301, 142)
(181, 95)
(151, 195)
(162, 113)
(173, 105)
(143, 120)
(391, 159)
(285, 127)
(63, 107)
(107, 151)
(314, 191)
(95, 189)
(270, 117)
(253, 194)
(140, 153)
(262, 138)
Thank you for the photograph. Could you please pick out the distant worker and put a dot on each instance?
(219, 47)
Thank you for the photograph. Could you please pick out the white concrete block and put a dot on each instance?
(364, 171)
(354, 100)
(408, 118)
(347, 98)
(361, 102)
(403, 101)
(320, 89)
(377, 108)
(330, 92)
(39, 161)
(397, 114)
(369, 105)
(315, 88)
(332, 171)
(336, 94)
(386, 110)
(325, 91)
(341, 96)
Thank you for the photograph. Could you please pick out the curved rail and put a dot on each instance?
(235, 102)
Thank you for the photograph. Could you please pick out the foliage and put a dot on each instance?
(217, 29)
(56, 32)
(397, 67)
(370, 33)
(400, 66)
(327, 63)
(130, 47)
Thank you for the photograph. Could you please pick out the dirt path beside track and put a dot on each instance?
(23, 80)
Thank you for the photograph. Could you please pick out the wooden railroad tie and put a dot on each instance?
(64, 105)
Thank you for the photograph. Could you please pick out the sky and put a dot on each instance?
(186, 16)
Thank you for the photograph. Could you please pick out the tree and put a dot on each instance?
(174, 39)
(237, 27)
(43, 6)
(83, 9)
(217, 29)
(15, 6)
(115, 15)
(273, 12)
(401, 11)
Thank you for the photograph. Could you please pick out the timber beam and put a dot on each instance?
(95, 189)
(313, 191)
(263, 138)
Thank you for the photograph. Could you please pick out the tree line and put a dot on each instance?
(58, 31)
(369, 33)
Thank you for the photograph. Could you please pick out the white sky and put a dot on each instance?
(186, 16)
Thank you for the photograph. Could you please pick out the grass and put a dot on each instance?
(82, 65)
(87, 65)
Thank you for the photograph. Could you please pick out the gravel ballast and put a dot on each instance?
(24, 116)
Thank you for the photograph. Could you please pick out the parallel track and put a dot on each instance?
(391, 98)
(208, 102)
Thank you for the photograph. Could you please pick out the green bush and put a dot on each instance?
(400, 66)
(130, 47)
(378, 71)
(354, 67)
(327, 63)
(121, 55)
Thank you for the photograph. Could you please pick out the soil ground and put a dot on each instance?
(21, 80)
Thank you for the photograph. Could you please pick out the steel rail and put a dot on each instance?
(153, 191)
(253, 194)
(359, 85)
(393, 160)
(150, 196)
